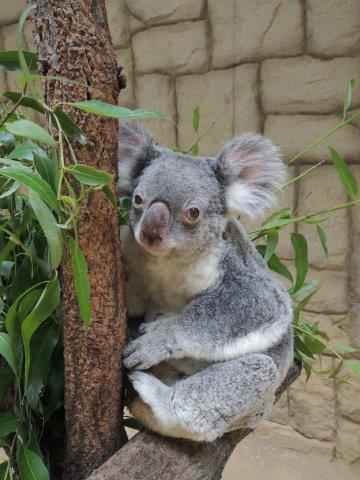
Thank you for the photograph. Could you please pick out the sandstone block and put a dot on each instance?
(333, 27)
(279, 412)
(348, 440)
(118, 19)
(308, 85)
(348, 394)
(158, 12)
(11, 11)
(354, 264)
(312, 406)
(157, 93)
(124, 58)
(28, 36)
(295, 132)
(136, 25)
(326, 190)
(214, 94)
(248, 30)
(332, 294)
(354, 325)
(171, 49)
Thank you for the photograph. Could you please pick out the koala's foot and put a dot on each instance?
(209, 403)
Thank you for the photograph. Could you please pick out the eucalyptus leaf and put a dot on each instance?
(9, 60)
(323, 239)
(82, 284)
(346, 176)
(272, 239)
(68, 126)
(107, 110)
(35, 183)
(45, 306)
(42, 346)
(6, 350)
(22, 152)
(347, 100)
(31, 466)
(8, 423)
(28, 129)
(25, 101)
(275, 264)
(299, 244)
(354, 366)
(49, 226)
(90, 176)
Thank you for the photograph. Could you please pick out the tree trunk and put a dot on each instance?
(73, 41)
(148, 456)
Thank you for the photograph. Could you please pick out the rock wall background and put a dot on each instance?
(281, 68)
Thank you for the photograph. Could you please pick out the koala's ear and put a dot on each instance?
(250, 168)
(136, 150)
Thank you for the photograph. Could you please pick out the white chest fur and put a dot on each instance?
(160, 285)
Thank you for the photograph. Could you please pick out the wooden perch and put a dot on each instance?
(148, 456)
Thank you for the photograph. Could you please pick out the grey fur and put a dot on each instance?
(218, 338)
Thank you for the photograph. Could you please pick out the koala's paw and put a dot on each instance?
(144, 328)
(146, 351)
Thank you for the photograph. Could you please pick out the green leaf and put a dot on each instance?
(5, 470)
(308, 287)
(35, 183)
(45, 168)
(275, 264)
(28, 297)
(31, 466)
(346, 176)
(354, 366)
(68, 126)
(299, 244)
(49, 226)
(272, 239)
(29, 129)
(22, 152)
(107, 110)
(8, 423)
(6, 379)
(6, 350)
(19, 40)
(42, 346)
(196, 118)
(9, 60)
(25, 101)
(46, 304)
(90, 176)
(12, 189)
(7, 141)
(346, 348)
(82, 284)
(323, 239)
(347, 100)
(302, 347)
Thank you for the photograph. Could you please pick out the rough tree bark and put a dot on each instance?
(73, 40)
(151, 457)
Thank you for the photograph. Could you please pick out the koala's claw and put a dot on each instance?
(139, 354)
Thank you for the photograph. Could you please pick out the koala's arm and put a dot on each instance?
(232, 320)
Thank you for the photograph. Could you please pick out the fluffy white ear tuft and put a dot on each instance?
(135, 151)
(251, 168)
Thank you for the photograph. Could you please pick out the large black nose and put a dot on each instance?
(155, 224)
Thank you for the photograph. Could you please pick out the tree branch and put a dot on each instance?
(148, 456)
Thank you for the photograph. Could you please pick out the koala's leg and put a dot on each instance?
(207, 404)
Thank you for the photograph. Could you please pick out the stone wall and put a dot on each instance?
(278, 67)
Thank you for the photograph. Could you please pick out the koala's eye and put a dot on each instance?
(137, 201)
(193, 213)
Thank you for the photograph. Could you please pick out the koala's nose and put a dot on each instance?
(155, 223)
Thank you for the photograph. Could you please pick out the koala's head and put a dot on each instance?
(181, 203)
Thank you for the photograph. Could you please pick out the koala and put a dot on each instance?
(216, 339)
